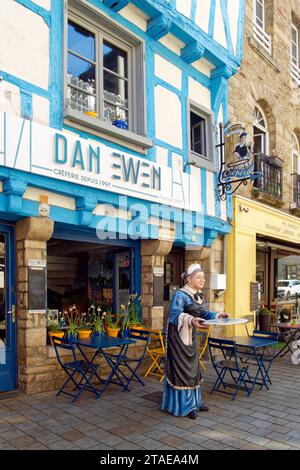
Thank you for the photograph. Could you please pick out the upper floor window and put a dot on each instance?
(259, 25)
(260, 132)
(259, 13)
(295, 72)
(104, 82)
(200, 136)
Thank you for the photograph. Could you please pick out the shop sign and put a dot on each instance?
(236, 160)
(37, 263)
(34, 148)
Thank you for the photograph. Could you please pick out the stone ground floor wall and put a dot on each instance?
(43, 373)
(38, 368)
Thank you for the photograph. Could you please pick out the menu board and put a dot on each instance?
(37, 286)
(254, 296)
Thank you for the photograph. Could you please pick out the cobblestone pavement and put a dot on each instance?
(125, 420)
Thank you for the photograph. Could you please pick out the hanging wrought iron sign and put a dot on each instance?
(236, 160)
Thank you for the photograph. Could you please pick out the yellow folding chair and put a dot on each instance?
(156, 351)
(203, 332)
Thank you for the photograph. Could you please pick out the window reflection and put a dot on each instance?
(81, 94)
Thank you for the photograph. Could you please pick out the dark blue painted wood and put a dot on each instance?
(8, 371)
(103, 342)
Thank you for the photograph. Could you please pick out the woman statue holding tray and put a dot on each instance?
(182, 394)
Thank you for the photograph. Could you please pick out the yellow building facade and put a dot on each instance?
(255, 224)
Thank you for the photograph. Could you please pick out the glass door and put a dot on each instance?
(7, 312)
(123, 278)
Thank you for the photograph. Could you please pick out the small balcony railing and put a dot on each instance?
(270, 182)
(263, 38)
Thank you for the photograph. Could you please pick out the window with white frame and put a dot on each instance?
(259, 25)
(260, 132)
(200, 135)
(104, 84)
(295, 54)
(295, 170)
(259, 13)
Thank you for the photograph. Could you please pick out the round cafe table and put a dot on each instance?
(225, 321)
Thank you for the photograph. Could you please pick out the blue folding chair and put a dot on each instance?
(79, 372)
(268, 354)
(228, 364)
(125, 366)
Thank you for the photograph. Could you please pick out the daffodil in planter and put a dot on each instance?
(98, 321)
(54, 330)
(134, 307)
(54, 325)
(74, 322)
(113, 324)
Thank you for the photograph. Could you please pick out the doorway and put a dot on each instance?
(8, 364)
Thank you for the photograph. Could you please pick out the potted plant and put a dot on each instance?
(264, 316)
(134, 307)
(98, 321)
(54, 330)
(84, 328)
(112, 323)
(125, 323)
(120, 120)
(74, 322)
(54, 325)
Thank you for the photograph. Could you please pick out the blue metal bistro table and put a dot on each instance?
(257, 351)
(100, 344)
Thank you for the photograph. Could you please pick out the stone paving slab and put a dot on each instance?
(269, 419)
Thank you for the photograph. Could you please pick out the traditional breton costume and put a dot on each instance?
(182, 392)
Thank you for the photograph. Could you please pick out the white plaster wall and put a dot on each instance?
(172, 43)
(219, 30)
(223, 210)
(210, 193)
(54, 199)
(161, 156)
(168, 120)
(199, 93)
(40, 110)
(43, 3)
(204, 66)
(184, 7)
(135, 16)
(24, 44)
(196, 188)
(202, 14)
(177, 161)
(104, 209)
(233, 15)
(167, 71)
(10, 101)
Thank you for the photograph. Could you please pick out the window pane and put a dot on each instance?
(115, 90)
(198, 135)
(295, 54)
(258, 141)
(112, 113)
(115, 59)
(81, 73)
(259, 11)
(81, 41)
(80, 101)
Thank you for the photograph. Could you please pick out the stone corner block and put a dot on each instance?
(34, 228)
